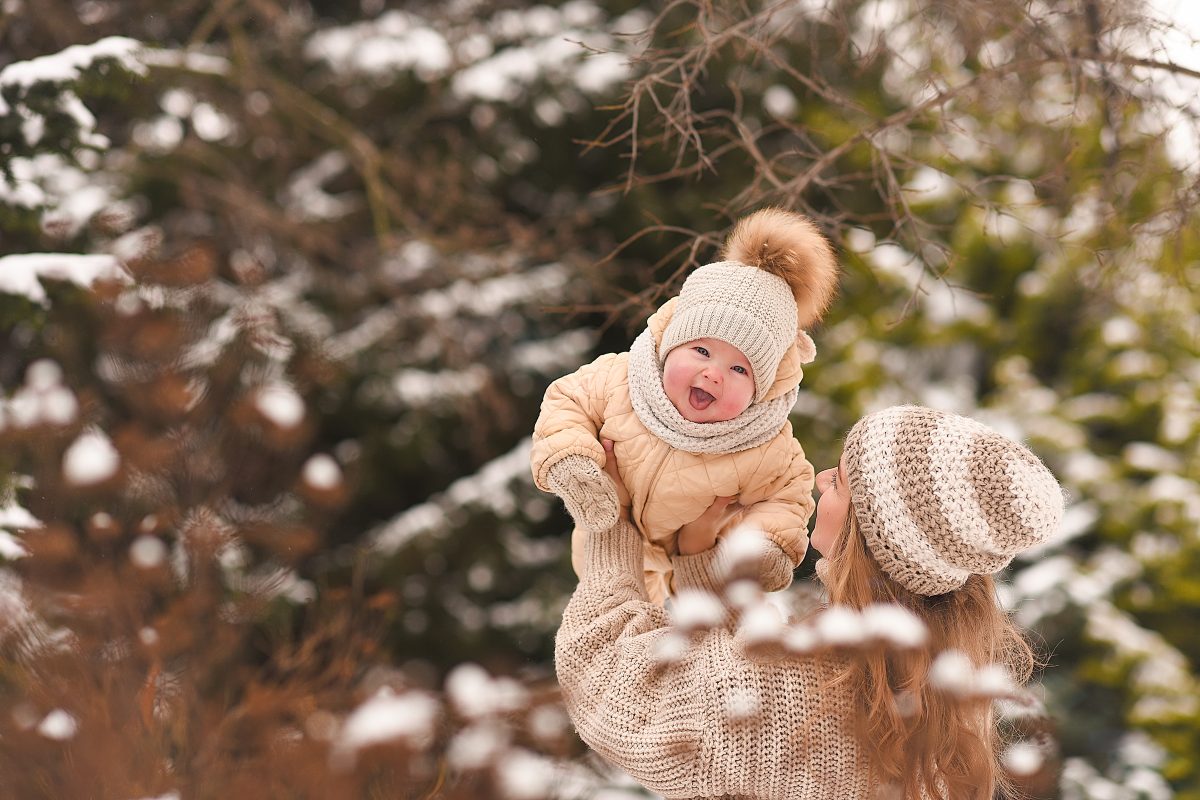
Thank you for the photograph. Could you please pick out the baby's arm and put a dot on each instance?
(567, 457)
(782, 515)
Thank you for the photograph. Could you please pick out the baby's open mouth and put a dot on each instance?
(700, 399)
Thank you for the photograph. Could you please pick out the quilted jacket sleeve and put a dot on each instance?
(570, 419)
(783, 514)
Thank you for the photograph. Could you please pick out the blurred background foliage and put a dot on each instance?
(340, 249)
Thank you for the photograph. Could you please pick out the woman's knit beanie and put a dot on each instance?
(777, 276)
(939, 497)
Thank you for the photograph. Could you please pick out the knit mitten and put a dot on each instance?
(589, 494)
(775, 571)
(755, 556)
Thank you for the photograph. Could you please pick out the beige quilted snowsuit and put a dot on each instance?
(670, 488)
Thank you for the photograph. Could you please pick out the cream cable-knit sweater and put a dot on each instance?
(715, 724)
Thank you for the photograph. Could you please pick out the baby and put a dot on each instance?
(698, 408)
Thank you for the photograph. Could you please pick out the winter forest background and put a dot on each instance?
(282, 283)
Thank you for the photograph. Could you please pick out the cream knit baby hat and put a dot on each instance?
(777, 276)
(940, 497)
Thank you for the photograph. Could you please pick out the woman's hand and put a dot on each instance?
(610, 466)
(701, 533)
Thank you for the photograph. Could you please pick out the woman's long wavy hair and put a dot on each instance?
(918, 739)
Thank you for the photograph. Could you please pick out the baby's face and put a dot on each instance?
(708, 380)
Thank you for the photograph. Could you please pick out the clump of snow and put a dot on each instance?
(305, 196)
(1023, 758)
(1120, 331)
(42, 400)
(743, 593)
(147, 552)
(411, 260)
(91, 459)
(516, 50)
(474, 693)
(477, 745)
(67, 66)
(1081, 781)
(10, 548)
(268, 582)
(489, 488)
(548, 723)
(1151, 458)
(43, 375)
(280, 404)
(523, 775)
(14, 516)
(489, 297)
(393, 42)
(741, 703)
(742, 549)
(894, 624)
(780, 102)
(800, 639)
(387, 716)
(761, 623)
(992, 679)
(159, 135)
(669, 648)
(551, 356)
(696, 609)
(211, 124)
(418, 388)
(322, 472)
(952, 671)
(189, 60)
(22, 274)
(840, 626)
(58, 725)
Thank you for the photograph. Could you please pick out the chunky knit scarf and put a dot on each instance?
(757, 425)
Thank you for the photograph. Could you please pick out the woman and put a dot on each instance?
(921, 509)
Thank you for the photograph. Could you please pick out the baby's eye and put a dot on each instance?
(740, 370)
(701, 350)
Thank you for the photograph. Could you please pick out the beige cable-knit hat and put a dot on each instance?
(777, 276)
(940, 497)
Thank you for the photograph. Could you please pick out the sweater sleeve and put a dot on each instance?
(698, 721)
(632, 707)
(570, 419)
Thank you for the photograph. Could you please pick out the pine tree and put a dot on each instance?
(301, 273)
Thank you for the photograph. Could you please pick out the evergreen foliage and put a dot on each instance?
(343, 249)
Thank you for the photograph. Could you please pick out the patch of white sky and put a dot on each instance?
(1180, 45)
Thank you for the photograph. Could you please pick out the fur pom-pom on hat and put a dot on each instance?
(778, 277)
(789, 245)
